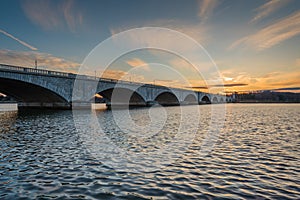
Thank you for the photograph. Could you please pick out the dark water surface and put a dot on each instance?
(257, 155)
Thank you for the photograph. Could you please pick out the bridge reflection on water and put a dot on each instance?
(52, 89)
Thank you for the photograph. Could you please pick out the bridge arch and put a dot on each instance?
(205, 99)
(191, 99)
(215, 100)
(122, 96)
(167, 98)
(31, 95)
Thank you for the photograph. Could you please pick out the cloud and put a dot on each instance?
(264, 82)
(45, 60)
(166, 43)
(198, 87)
(230, 85)
(50, 15)
(136, 62)
(206, 8)
(43, 13)
(273, 34)
(197, 31)
(271, 74)
(18, 40)
(71, 18)
(225, 85)
(125, 76)
(139, 64)
(114, 74)
(289, 88)
(290, 82)
(268, 8)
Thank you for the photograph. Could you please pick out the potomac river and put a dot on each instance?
(256, 154)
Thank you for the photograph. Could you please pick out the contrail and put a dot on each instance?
(20, 41)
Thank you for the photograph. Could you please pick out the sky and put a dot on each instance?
(254, 44)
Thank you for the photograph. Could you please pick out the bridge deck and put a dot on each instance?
(44, 72)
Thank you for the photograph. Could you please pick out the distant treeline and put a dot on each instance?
(269, 96)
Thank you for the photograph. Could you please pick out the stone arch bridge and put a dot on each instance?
(51, 89)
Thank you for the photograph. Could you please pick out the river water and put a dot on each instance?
(256, 154)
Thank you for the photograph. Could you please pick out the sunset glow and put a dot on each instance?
(255, 44)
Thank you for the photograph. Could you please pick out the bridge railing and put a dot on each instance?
(33, 70)
(69, 75)
(9, 67)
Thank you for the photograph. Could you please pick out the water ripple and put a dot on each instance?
(255, 156)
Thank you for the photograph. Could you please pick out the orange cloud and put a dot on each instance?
(136, 62)
(45, 61)
(271, 80)
(113, 74)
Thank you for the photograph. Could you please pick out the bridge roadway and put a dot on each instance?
(52, 89)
